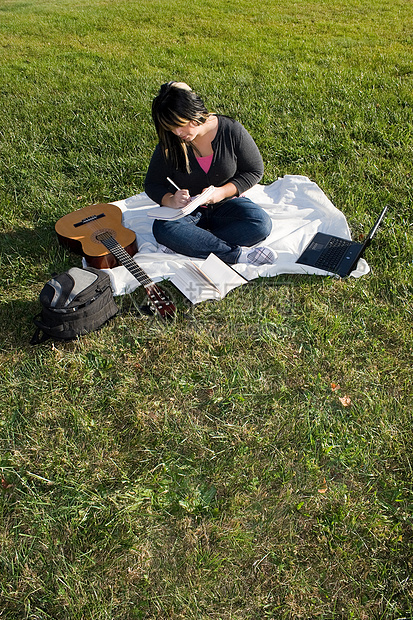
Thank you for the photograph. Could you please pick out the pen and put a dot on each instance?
(172, 183)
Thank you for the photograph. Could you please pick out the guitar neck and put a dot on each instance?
(157, 298)
(125, 259)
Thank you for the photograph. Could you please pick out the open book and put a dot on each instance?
(167, 213)
(213, 280)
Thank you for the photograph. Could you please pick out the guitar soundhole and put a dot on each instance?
(95, 236)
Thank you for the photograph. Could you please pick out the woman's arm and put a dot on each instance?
(237, 160)
(250, 167)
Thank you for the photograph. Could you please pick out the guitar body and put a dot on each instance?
(97, 233)
(78, 231)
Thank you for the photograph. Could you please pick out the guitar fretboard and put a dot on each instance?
(124, 258)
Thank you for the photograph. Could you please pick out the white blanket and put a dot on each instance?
(298, 209)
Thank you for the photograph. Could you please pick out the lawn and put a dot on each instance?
(253, 458)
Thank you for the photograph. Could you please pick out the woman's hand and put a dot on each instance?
(176, 201)
(221, 193)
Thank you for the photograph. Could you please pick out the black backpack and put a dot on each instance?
(74, 303)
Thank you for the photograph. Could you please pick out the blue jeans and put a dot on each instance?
(221, 230)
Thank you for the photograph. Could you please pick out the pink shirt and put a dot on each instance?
(205, 162)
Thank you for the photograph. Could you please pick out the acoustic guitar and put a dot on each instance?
(97, 233)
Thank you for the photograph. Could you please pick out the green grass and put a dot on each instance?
(251, 460)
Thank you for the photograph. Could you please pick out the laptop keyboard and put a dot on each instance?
(332, 254)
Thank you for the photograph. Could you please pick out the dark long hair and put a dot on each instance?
(174, 106)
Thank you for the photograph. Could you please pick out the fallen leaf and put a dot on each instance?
(345, 401)
(335, 387)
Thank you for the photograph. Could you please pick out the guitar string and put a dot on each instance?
(124, 258)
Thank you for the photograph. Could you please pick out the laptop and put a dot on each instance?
(334, 254)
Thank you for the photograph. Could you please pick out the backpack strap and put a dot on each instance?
(37, 339)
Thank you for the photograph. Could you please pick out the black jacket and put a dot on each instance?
(236, 159)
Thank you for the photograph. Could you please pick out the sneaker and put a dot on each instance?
(257, 256)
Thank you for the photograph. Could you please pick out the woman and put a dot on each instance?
(197, 149)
